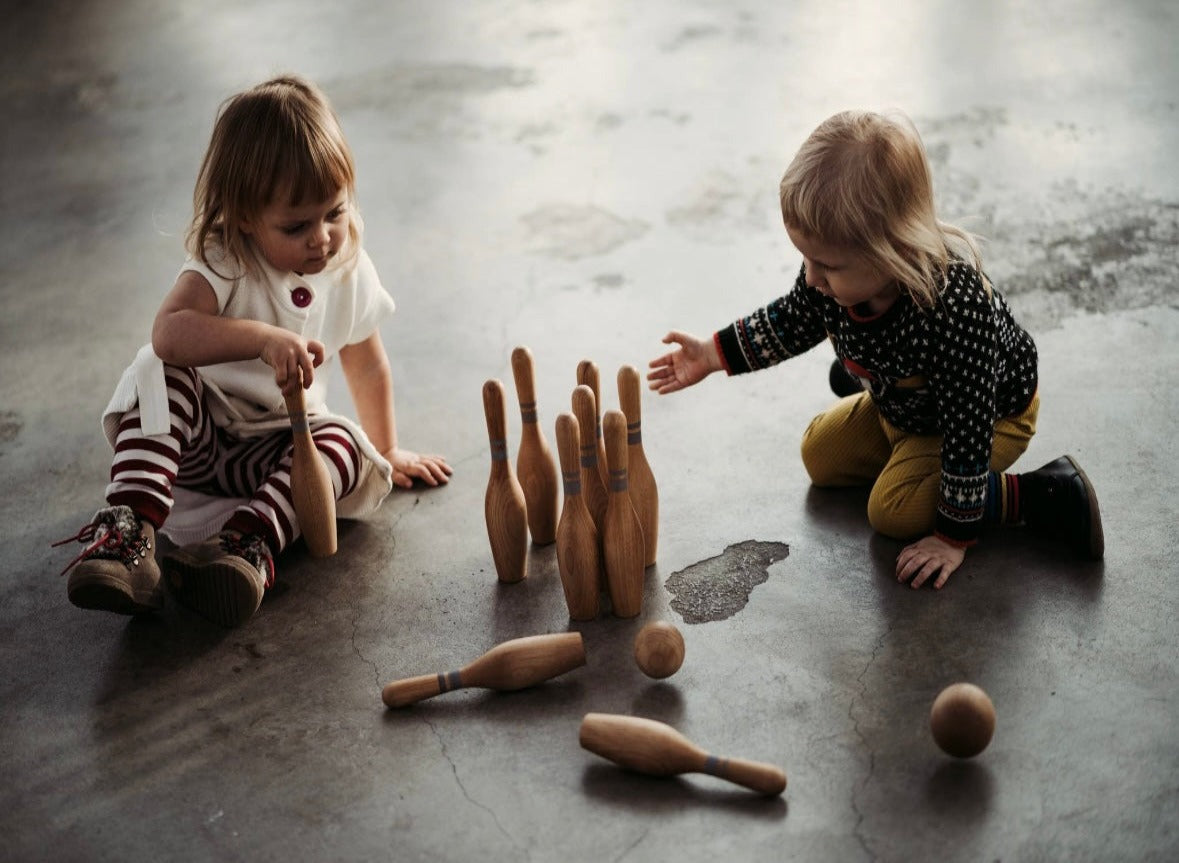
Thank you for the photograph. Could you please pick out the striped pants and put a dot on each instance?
(852, 444)
(198, 455)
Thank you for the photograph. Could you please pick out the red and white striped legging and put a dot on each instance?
(199, 455)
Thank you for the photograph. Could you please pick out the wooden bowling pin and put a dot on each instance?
(510, 665)
(312, 493)
(587, 374)
(503, 505)
(579, 554)
(592, 485)
(535, 468)
(622, 536)
(644, 494)
(657, 749)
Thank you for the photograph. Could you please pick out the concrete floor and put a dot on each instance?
(579, 178)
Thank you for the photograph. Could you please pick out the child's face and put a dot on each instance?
(843, 274)
(304, 238)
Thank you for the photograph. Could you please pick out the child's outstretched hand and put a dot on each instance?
(408, 465)
(695, 360)
(927, 557)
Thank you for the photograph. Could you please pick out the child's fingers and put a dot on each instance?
(440, 464)
(928, 569)
(909, 561)
(429, 471)
(307, 367)
(317, 351)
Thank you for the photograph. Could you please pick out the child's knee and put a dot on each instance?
(885, 522)
(821, 463)
(897, 517)
(817, 468)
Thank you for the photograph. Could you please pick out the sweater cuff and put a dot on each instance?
(957, 543)
(961, 534)
(720, 350)
(728, 346)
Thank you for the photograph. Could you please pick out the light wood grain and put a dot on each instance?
(504, 508)
(535, 468)
(579, 554)
(656, 749)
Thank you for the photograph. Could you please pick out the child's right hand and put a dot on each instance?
(289, 354)
(695, 360)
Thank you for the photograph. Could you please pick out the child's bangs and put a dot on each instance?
(312, 175)
(817, 208)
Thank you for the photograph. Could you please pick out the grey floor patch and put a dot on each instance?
(718, 587)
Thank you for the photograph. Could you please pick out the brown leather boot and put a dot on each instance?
(117, 571)
(222, 578)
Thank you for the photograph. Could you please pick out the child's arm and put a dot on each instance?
(693, 362)
(366, 368)
(189, 331)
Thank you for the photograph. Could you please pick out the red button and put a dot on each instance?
(301, 297)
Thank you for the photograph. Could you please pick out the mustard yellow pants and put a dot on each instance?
(852, 444)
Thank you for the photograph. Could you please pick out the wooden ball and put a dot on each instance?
(659, 649)
(962, 720)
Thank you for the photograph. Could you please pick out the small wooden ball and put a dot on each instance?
(962, 720)
(659, 649)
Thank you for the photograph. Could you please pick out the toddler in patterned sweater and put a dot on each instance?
(939, 381)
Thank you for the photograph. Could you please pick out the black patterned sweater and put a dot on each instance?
(950, 370)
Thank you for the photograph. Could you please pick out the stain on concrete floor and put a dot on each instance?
(718, 587)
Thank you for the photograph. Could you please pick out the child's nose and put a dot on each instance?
(321, 235)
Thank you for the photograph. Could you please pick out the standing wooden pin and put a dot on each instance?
(657, 749)
(534, 460)
(644, 494)
(503, 505)
(622, 535)
(312, 494)
(579, 554)
(587, 374)
(592, 485)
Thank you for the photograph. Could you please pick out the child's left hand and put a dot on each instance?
(430, 469)
(928, 556)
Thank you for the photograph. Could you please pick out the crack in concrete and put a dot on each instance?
(356, 612)
(357, 607)
(354, 619)
(632, 846)
(857, 831)
(467, 794)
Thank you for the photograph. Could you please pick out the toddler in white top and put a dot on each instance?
(277, 285)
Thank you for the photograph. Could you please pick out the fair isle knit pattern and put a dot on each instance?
(951, 370)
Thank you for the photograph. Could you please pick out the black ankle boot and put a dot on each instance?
(1059, 500)
(842, 382)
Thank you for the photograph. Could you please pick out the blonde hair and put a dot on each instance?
(280, 138)
(862, 181)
